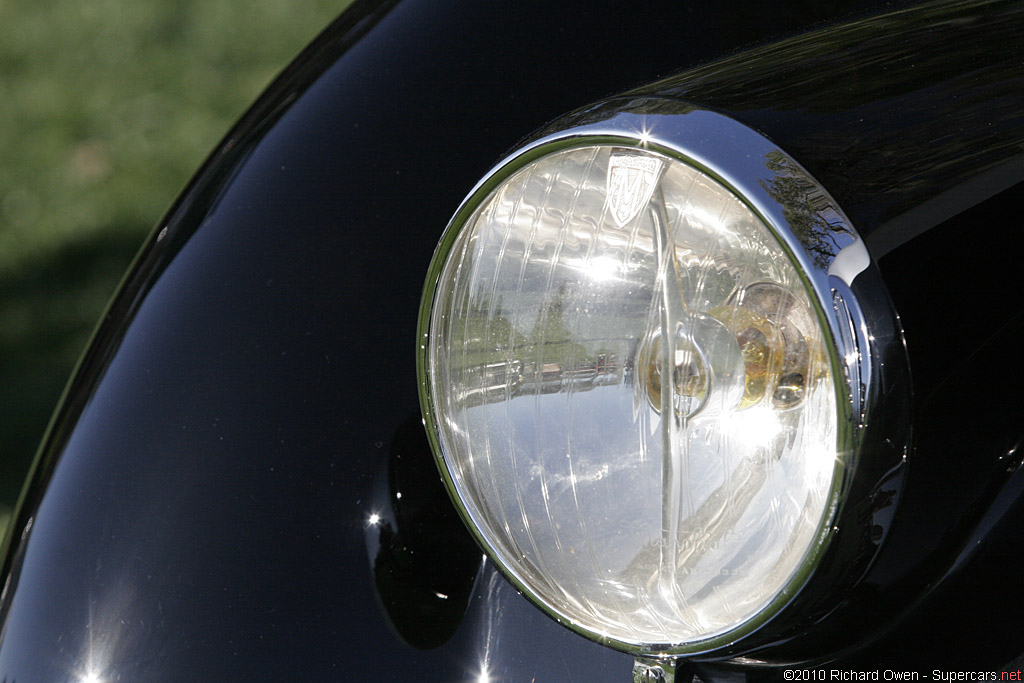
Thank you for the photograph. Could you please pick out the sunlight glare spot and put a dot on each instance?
(645, 136)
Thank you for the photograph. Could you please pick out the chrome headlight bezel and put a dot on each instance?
(733, 155)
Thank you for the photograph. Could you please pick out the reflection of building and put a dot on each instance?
(537, 350)
(549, 378)
(494, 382)
(491, 382)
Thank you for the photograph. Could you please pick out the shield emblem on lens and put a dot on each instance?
(631, 181)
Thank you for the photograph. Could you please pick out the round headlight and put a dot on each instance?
(633, 392)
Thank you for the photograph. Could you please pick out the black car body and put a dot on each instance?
(238, 486)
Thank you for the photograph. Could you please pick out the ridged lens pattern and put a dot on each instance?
(632, 395)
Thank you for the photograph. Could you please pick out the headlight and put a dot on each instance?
(633, 385)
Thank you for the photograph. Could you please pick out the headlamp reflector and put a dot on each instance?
(632, 395)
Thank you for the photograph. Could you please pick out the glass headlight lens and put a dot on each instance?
(632, 395)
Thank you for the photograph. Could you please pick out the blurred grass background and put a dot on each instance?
(107, 107)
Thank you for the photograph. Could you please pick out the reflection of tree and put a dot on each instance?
(496, 361)
(550, 341)
(487, 335)
(806, 208)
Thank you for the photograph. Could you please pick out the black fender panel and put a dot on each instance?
(217, 496)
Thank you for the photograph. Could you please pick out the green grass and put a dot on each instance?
(107, 107)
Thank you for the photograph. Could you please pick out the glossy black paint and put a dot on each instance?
(424, 562)
(203, 505)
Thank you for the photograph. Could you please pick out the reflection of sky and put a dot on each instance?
(610, 487)
(576, 478)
